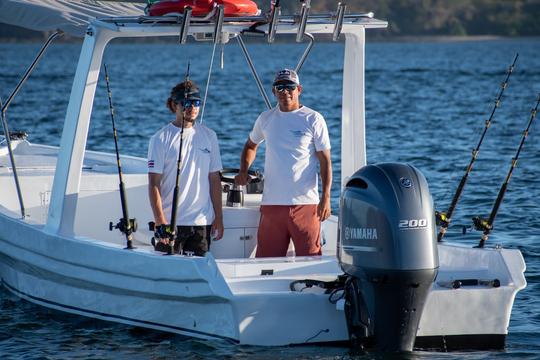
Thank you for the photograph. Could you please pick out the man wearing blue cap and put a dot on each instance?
(199, 212)
(296, 142)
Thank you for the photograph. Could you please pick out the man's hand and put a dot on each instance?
(323, 209)
(242, 178)
(162, 234)
(246, 159)
(217, 228)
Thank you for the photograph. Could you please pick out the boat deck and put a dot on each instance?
(99, 200)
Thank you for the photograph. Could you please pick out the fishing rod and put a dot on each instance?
(126, 225)
(444, 218)
(487, 225)
(172, 226)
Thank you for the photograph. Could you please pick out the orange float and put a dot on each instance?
(201, 8)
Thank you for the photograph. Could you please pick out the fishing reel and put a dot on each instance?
(441, 219)
(481, 224)
(161, 232)
(123, 226)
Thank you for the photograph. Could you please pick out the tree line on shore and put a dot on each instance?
(413, 17)
(442, 17)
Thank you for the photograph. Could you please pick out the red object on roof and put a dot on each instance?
(202, 8)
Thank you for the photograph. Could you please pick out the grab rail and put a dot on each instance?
(4, 121)
(253, 71)
(31, 68)
(306, 52)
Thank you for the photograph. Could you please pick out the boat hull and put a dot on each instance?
(229, 299)
(104, 282)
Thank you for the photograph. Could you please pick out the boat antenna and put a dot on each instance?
(172, 226)
(126, 225)
(487, 225)
(444, 218)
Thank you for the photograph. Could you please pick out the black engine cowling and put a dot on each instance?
(387, 246)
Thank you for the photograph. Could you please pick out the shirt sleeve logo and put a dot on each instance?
(150, 164)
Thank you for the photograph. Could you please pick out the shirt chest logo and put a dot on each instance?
(299, 133)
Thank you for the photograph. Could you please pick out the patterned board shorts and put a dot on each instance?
(194, 239)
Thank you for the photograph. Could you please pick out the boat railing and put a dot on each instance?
(5, 106)
(273, 19)
(253, 71)
(284, 19)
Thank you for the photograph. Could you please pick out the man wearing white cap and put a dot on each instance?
(296, 142)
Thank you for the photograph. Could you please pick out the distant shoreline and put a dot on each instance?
(441, 38)
(371, 38)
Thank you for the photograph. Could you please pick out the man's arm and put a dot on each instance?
(154, 194)
(246, 159)
(324, 210)
(215, 196)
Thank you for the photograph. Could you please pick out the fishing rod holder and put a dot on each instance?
(184, 28)
(220, 16)
(274, 19)
(304, 14)
(338, 25)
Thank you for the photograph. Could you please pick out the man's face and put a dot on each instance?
(189, 109)
(287, 93)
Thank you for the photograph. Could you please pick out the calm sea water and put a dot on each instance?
(426, 103)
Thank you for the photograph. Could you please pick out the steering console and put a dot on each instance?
(255, 183)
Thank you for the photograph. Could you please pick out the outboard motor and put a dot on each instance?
(387, 247)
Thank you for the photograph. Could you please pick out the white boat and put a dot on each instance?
(63, 256)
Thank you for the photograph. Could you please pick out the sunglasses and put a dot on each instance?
(283, 87)
(189, 103)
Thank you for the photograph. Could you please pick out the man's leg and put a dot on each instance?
(305, 229)
(195, 239)
(272, 235)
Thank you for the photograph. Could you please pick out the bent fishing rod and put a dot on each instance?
(126, 225)
(487, 225)
(172, 226)
(444, 218)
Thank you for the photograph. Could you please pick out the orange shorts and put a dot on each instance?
(281, 223)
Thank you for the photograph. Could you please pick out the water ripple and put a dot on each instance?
(426, 104)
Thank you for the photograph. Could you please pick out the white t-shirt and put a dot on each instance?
(290, 167)
(200, 156)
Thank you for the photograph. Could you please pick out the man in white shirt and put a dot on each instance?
(199, 211)
(296, 142)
